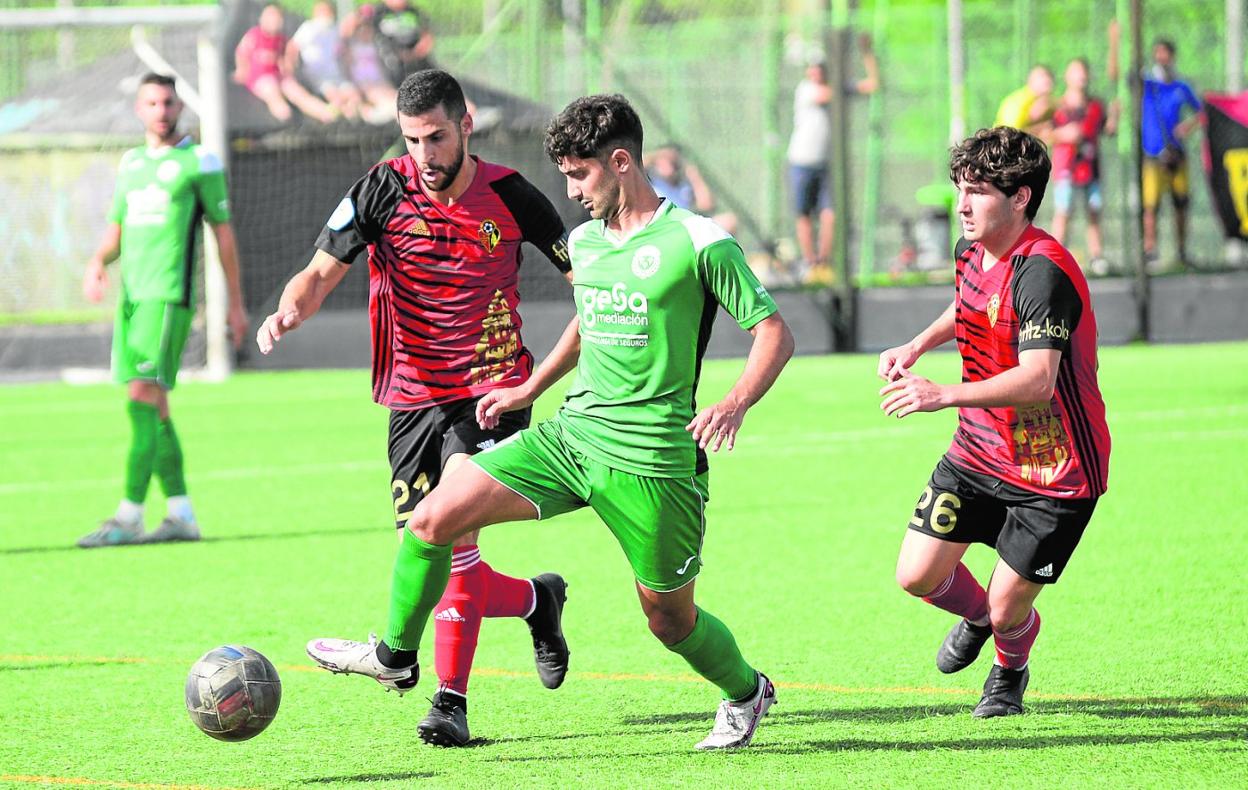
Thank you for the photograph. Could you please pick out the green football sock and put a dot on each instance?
(144, 417)
(169, 460)
(713, 654)
(421, 571)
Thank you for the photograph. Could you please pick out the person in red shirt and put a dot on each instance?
(1078, 123)
(1030, 456)
(443, 230)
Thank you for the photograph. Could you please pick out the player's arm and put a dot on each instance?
(771, 350)
(227, 250)
(1184, 129)
(561, 359)
(1048, 307)
(896, 361)
(301, 298)
(95, 278)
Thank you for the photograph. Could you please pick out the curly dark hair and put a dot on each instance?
(1005, 157)
(424, 90)
(592, 127)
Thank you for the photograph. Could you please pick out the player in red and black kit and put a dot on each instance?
(443, 231)
(1030, 456)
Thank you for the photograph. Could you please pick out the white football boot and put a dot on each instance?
(173, 529)
(348, 657)
(735, 722)
(112, 532)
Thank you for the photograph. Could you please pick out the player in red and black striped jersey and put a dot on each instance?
(1030, 456)
(443, 230)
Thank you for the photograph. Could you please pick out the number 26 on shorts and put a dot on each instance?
(942, 517)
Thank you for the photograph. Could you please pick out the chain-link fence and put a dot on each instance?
(716, 78)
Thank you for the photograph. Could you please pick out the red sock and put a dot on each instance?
(507, 596)
(475, 590)
(457, 619)
(1014, 646)
(962, 595)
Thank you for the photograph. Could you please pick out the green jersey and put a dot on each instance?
(161, 195)
(646, 305)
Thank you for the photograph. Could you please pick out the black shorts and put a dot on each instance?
(422, 439)
(1034, 534)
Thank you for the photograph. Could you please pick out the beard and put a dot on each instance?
(448, 172)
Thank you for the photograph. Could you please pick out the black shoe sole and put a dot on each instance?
(436, 737)
(558, 588)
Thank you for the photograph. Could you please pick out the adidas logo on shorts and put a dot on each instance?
(450, 615)
(1046, 571)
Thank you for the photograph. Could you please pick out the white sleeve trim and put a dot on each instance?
(703, 232)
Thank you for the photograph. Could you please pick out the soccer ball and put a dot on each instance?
(232, 693)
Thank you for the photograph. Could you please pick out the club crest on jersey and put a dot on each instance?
(646, 261)
(489, 234)
(169, 170)
(994, 309)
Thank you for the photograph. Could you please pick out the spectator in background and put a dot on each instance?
(681, 183)
(808, 155)
(1078, 122)
(1030, 108)
(259, 63)
(402, 35)
(1162, 132)
(364, 65)
(317, 48)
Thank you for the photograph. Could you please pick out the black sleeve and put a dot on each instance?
(362, 215)
(540, 224)
(1047, 305)
(961, 247)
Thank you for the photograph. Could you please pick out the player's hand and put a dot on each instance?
(495, 403)
(717, 425)
(276, 325)
(238, 323)
(910, 393)
(94, 281)
(895, 360)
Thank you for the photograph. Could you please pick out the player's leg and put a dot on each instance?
(660, 524)
(519, 480)
(1039, 536)
(804, 205)
(136, 345)
(1096, 249)
(179, 523)
(951, 513)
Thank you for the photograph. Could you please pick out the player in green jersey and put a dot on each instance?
(629, 441)
(164, 187)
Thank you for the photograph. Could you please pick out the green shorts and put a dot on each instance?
(148, 338)
(658, 521)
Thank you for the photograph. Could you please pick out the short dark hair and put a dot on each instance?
(164, 80)
(425, 90)
(592, 127)
(1005, 157)
(1166, 43)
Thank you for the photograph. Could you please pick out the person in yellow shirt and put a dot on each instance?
(1030, 108)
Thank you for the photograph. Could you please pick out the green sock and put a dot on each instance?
(169, 460)
(421, 571)
(144, 417)
(713, 654)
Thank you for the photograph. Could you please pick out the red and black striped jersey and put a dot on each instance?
(1034, 297)
(443, 280)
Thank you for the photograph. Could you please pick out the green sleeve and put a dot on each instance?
(724, 272)
(117, 209)
(210, 187)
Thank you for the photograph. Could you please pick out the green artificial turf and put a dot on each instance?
(1139, 678)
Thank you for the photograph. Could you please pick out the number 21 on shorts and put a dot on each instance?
(943, 516)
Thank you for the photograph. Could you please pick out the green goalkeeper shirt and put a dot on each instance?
(161, 195)
(646, 305)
